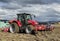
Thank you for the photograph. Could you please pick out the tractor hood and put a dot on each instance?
(33, 22)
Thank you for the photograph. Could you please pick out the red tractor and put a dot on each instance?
(25, 23)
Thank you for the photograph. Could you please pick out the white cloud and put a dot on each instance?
(44, 12)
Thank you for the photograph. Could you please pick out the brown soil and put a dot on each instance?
(41, 36)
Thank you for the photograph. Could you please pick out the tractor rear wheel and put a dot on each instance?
(14, 28)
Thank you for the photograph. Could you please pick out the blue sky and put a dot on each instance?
(45, 10)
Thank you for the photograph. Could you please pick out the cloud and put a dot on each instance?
(45, 10)
(37, 1)
(5, 1)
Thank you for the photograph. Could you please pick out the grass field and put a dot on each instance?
(41, 36)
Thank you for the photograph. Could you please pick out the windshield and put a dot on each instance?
(24, 17)
(28, 17)
(21, 17)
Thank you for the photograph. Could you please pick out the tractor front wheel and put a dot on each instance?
(14, 28)
(30, 29)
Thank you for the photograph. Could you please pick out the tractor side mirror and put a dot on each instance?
(34, 16)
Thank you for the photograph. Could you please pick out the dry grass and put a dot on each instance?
(41, 36)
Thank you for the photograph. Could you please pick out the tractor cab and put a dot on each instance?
(24, 18)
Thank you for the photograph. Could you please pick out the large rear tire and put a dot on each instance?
(14, 28)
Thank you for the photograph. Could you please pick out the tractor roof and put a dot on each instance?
(23, 14)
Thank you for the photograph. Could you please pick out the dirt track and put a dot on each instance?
(41, 36)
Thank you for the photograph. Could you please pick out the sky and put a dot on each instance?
(45, 10)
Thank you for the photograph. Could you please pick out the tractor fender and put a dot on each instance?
(32, 22)
(16, 21)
